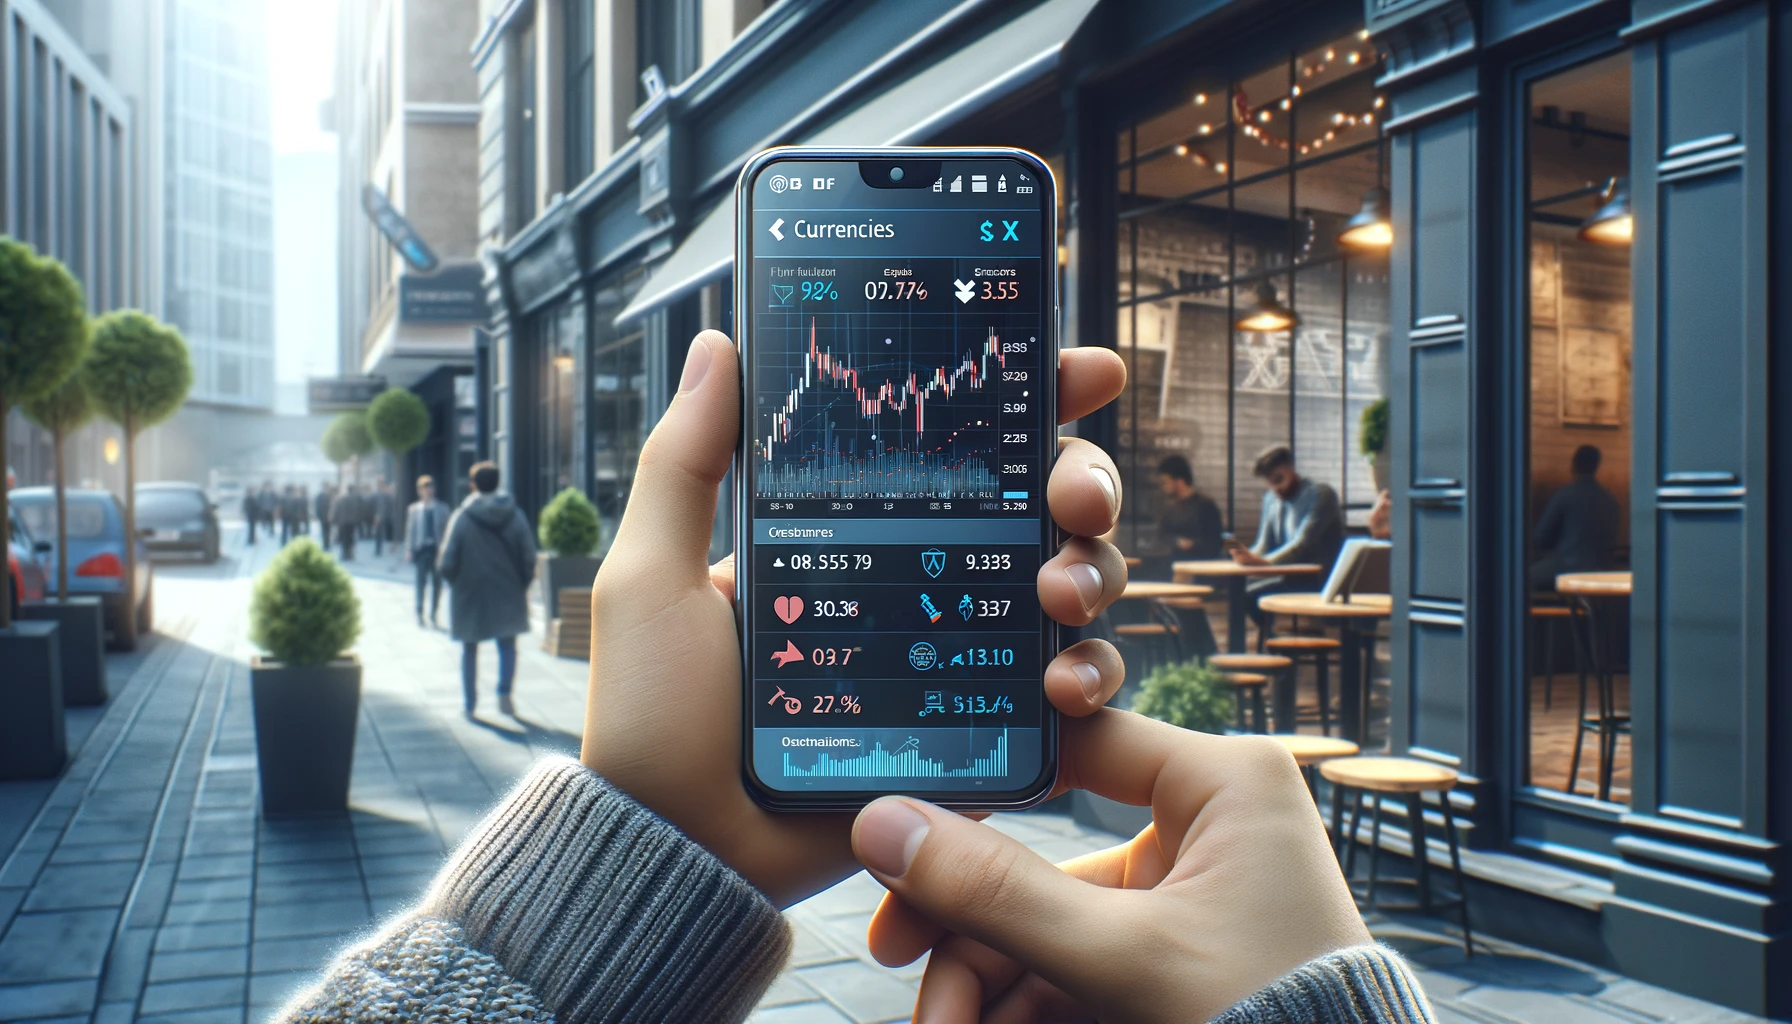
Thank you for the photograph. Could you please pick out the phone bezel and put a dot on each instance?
(1040, 788)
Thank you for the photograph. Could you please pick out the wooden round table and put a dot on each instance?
(1352, 692)
(1586, 591)
(1236, 576)
(1152, 589)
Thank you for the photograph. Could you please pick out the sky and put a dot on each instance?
(301, 70)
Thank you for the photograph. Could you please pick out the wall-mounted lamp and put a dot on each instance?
(1268, 314)
(1613, 224)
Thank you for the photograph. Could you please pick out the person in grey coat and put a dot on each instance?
(489, 559)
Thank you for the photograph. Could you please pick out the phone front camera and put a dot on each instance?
(895, 174)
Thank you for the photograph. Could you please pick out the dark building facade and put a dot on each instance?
(1576, 240)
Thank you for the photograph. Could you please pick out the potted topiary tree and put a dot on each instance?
(568, 532)
(346, 439)
(81, 621)
(307, 692)
(1374, 441)
(139, 373)
(397, 420)
(1190, 695)
(43, 333)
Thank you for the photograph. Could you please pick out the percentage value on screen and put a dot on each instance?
(898, 290)
(829, 704)
(819, 290)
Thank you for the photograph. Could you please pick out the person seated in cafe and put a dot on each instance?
(1302, 523)
(1579, 526)
(1187, 520)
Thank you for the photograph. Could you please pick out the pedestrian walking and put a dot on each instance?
(297, 511)
(489, 559)
(251, 512)
(325, 495)
(267, 502)
(425, 524)
(385, 515)
(345, 515)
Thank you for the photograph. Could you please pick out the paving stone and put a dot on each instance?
(46, 999)
(278, 988)
(90, 853)
(407, 864)
(10, 899)
(1530, 1004)
(228, 865)
(150, 900)
(207, 911)
(862, 991)
(215, 1015)
(127, 964)
(216, 843)
(80, 1018)
(292, 920)
(197, 994)
(119, 1012)
(302, 954)
(107, 832)
(178, 965)
(1634, 995)
(800, 1013)
(308, 871)
(400, 886)
(200, 890)
(20, 870)
(788, 989)
(214, 935)
(56, 946)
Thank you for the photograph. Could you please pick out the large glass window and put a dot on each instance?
(617, 367)
(581, 85)
(1231, 206)
(1578, 512)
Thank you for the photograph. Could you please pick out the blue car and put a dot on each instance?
(95, 554)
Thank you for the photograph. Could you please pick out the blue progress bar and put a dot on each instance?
(1012, 495)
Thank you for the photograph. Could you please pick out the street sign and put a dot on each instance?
(397, 230)
(453, 295)
(342, 394)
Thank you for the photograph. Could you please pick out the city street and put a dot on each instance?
(143, 884)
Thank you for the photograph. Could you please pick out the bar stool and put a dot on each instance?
(1319, 649)
(1547, 617)
(1253, 683)
(1278, 667)
(1374, 777)
(1311, 750)
(1197, 632)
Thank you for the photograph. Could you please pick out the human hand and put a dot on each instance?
(1231, 886)
(1185, 544)
(1245, 556)
(665, 628)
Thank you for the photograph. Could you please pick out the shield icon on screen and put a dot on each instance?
(933, 561)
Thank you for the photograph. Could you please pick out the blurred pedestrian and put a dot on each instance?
(489, 559)
(267, 503)
(425, 524)
(251, 512)
(385, 514)
(346, 515)
(321, 507)
(297, 512)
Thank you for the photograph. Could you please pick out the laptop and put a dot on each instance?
(1362, 565)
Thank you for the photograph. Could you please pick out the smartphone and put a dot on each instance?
(896, 312)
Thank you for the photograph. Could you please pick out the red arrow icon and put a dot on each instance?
(788, 654)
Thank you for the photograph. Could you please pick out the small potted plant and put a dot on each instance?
(1374, 441)
(307, 691)
(1190, 695)
(568, 534)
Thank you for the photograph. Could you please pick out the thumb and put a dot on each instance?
(979, 883)
(672, 504)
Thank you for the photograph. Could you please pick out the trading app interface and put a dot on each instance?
(900, 415)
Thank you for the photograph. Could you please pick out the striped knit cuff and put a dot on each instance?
(607, 911)
(1359, 985)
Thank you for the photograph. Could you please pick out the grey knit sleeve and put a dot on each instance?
(570, 903)
(1360, 985)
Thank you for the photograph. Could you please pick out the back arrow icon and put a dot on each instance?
(776, 225)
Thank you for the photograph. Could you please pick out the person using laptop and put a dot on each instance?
(1302, 523)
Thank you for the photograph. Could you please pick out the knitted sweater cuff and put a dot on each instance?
(1359, 985)
(607, 911)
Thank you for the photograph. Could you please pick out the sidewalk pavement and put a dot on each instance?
(143, 885)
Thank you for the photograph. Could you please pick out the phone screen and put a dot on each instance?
(899, 356)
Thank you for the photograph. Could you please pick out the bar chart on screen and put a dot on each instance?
(904, 759)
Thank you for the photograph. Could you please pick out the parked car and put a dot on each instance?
(178, 517)
(22, 554)
(95, 553)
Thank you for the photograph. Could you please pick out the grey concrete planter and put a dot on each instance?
(1091, 811)
(33, 742)
(305, 734)
(81, 623)
(553, 572)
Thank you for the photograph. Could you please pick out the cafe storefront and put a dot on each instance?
(1533, 227)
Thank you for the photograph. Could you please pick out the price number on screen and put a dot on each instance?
(982, 705)
(878, 291)
(992, 563)
(999, 290)
(830, 563)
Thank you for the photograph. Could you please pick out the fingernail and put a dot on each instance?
(1087, 581)
(1090, 677)
(696, 365)
(1105, 481)
(890, 831)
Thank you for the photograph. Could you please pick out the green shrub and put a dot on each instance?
(1374, 439)
(346, 437)
(398, 420)
(569, 524)
(304, 610)
(1191, 695)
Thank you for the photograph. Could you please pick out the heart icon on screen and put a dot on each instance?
(788, 608)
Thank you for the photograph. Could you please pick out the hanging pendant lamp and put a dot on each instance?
(1613, 224)
(1371, 227)
(1268, 314)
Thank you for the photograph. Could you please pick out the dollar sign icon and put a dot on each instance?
(988, 235)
